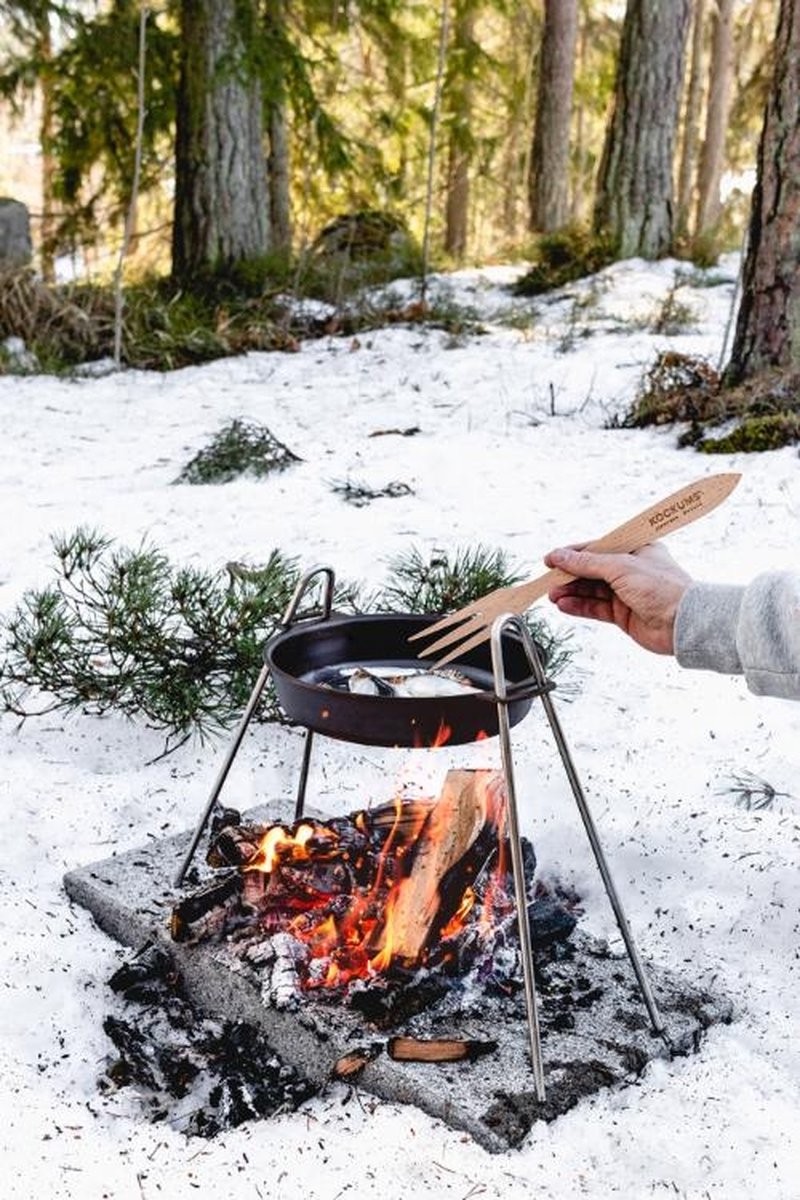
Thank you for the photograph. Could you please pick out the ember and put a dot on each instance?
(357, 905)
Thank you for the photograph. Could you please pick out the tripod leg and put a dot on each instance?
(300, 802)
(236, 742)
(656, 1019)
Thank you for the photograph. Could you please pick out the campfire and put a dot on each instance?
(374, 907)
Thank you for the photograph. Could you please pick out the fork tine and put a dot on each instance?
(483, 635)
(463, 615)
(453, 637)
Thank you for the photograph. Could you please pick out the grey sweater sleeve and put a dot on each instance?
(753, 630)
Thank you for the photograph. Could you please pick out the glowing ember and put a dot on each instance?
(368, 893)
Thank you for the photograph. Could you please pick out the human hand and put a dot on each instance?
(638, 592)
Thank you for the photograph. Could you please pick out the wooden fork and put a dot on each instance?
(472, 624)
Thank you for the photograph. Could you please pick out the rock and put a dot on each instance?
(16, 248)
(15, 353)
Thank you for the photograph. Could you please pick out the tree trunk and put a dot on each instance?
(634, 206)
(691, 123)
(549, 183)
(221, 198)
(709, 206)
(278, 162)
(768, 324)
(515, 167)
(459, 95)
(580, 181)
(47, 227)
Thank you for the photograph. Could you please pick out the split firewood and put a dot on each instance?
(409, 1049)
(405, 818)
(449, 830)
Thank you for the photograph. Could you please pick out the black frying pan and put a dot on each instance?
(302, 656)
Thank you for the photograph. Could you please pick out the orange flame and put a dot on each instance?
(361, 941)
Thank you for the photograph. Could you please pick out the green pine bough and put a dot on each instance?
(125, 631)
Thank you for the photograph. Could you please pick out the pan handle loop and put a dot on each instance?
(303, 585)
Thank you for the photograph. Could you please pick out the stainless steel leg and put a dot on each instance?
(300, 802)
(222, 775)
(656, 1019)
(520, 890)
(502, 623)
(255, 696)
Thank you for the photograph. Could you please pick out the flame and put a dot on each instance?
(456, 922)
(440, 738)
(354, 934)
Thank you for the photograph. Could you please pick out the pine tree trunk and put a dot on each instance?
(634, 206)
(709, 206)
(691, 123)
(549, 183)
(768, 324)
(580, 182)
(278, 161)
(47, 234)
(459, 95)
(221, 198)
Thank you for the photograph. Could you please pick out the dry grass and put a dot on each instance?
(763, 413)
(56, 323)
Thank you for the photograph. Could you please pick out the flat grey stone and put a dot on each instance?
(609, 1043)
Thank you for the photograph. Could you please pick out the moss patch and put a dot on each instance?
(681, 390)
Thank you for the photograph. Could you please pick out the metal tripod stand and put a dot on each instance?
(504, 623)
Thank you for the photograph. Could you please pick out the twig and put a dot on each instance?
(137, 170)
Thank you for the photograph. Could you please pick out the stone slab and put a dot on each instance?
(131, 897)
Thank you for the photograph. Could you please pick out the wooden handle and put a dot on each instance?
(673, 512)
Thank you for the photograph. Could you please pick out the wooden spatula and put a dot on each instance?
(472, 624)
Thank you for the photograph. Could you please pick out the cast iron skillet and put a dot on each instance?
(307, 650)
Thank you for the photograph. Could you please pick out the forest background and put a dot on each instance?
(473, 125)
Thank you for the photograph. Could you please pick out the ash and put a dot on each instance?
(200, 1076)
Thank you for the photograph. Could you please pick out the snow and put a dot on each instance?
(514, 451)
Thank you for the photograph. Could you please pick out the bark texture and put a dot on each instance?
(459, 91)
(768, 324)
(709, 205)
(221, 197)
(634, 205)
(691, 122)
(549, 182)
(279, 161)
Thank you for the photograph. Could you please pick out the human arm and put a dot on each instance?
(753, 630)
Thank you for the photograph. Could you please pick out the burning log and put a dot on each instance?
(236, 845)
(450, 829)
(207, 910)
(410, 1049)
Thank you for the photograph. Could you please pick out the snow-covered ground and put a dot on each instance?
(513, 452)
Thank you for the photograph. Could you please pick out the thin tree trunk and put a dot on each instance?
(459, 93)
(709, 205)
(130, 219)
(634, 206)
(768, 324)
(221, 194)
(444, 16)
(517, 150)
(278, 161)
(47, 228)
(549, 183)
(579, 182)
(691, 123)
